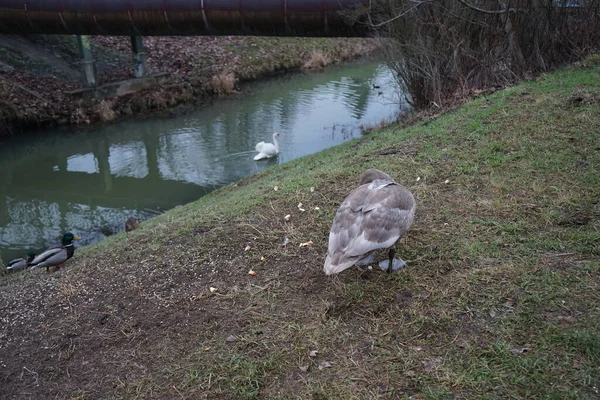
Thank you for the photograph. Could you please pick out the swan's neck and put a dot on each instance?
(276, 143)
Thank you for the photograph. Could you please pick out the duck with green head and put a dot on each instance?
(20, 263)
(56, 256)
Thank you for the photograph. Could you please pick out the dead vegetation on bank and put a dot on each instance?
(444, 49)
(499, 299)
(223, 83)
(33, 90)
(317, 60)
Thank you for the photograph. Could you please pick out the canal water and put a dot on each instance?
(90, 182)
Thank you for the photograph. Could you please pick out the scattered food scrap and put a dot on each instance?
(324, 364)
(520, 350)
(431, 363)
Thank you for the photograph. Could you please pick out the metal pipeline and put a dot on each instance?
(185, 17)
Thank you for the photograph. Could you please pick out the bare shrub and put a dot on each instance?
(158, 100)
(223, 83)
(317, 60)
(445, 48)
(105, 111)
(8, 116)
(79, 117)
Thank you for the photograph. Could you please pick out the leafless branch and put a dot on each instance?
(481, 10)
(402, 14)
(446, 48)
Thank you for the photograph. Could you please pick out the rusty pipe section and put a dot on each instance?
(185, 17)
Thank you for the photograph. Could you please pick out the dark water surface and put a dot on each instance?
(90, 182)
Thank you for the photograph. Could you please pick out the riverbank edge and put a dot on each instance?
(175, 94)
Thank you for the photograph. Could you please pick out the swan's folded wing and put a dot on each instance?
(337, 262)
(387, 213)
(347, 221)
(260, 156)
(259, 146)
(269, 149)
(345, 227)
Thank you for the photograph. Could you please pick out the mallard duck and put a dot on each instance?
(56, 256)
(131, 224)
(267, 150)
(374, 216)
(20, 263)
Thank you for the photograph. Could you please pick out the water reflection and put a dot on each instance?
(91, 182)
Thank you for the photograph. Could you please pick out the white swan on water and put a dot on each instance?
(267, 150)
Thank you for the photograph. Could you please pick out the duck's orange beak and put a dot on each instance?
(76, 238)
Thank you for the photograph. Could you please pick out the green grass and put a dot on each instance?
(264, 55)
(500, 298)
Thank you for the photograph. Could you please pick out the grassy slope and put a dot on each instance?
(500, 299)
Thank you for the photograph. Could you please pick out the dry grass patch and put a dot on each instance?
(317, 60)
(223, 83)
(105, 111)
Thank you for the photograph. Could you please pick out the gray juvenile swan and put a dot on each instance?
(374, 216)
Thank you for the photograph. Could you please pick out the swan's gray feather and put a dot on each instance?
(374, 216)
